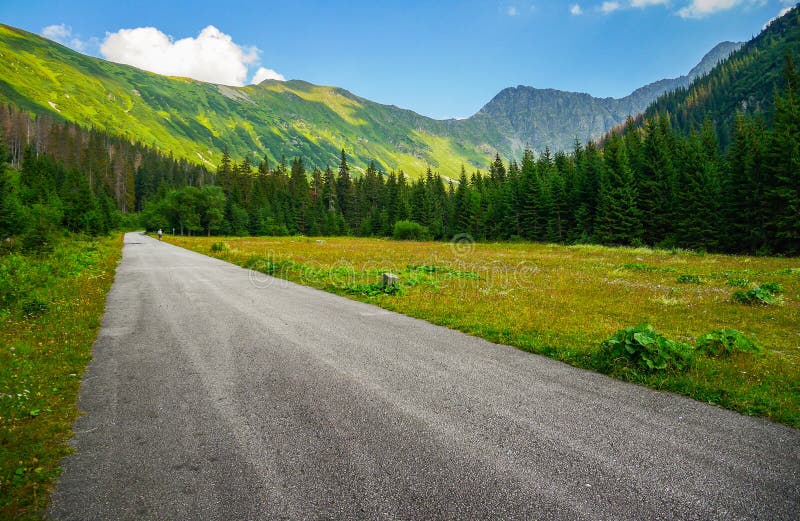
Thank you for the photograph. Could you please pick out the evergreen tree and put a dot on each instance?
(783, 163)
(618, 219)
(697, 215)
(656, 181)
(344, 190)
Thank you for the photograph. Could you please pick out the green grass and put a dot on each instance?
(50, 315)
(565, 301)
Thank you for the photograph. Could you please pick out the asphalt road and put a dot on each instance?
(214, 397)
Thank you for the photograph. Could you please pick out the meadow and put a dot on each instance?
(565, 301)
(50, 308)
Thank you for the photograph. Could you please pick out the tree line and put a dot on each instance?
(56, 177)
(647, 183)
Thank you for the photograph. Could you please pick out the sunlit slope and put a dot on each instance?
(197, 120)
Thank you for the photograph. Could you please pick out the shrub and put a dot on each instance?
(725, 342)
(410, 231)
(689, 279)
(641, 350)
(764, 295)
(220, 246)
(772, 287)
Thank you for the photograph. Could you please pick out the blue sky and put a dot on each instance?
(439, 58)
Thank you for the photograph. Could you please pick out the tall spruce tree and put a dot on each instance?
(618, 219)
(783, 162)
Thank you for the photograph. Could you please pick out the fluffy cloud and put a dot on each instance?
(647, 3)
(63, 34)
(690, 9)
(576, 10)
(213, 56)
(703, 8)
(512, 11)
(266, 74)
(781, 13)
(609, 7)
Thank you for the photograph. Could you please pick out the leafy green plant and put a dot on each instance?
(764, 295)
(689, 279)
(772, 287)
(220, 247)
(641, 350)
(724, 342)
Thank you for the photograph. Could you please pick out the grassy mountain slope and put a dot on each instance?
(196, 120)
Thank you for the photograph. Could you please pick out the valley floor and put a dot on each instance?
(564, 301)
(218, 393)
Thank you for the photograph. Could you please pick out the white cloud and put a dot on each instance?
(266, 74)
(703, 8)
(576, 10)
(212, 56)
(609, 7)
(647, 3)
(63, 34)
(781, 13)
(512, 11)
(57, 33)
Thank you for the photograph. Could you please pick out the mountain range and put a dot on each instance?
(197, 121)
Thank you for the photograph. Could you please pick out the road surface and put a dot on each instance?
(214, 396)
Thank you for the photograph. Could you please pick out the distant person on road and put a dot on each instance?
(160, 233)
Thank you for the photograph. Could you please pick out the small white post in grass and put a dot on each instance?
(389, 279)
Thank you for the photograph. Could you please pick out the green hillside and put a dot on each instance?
(744, 83)
(196, 120)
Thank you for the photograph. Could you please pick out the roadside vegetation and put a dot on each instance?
(50, 307)
(571, 302)
(56, 264)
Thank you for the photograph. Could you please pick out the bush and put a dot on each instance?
(764, 295)
(641, 350)
(410, 231)
(725, 342)
(689, 279)
(220, 246)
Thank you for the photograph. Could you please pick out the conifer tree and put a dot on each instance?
(618, 219)
(656, 181)
(783, 162)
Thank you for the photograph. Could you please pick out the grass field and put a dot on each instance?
(564, 301)
(50, 309)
